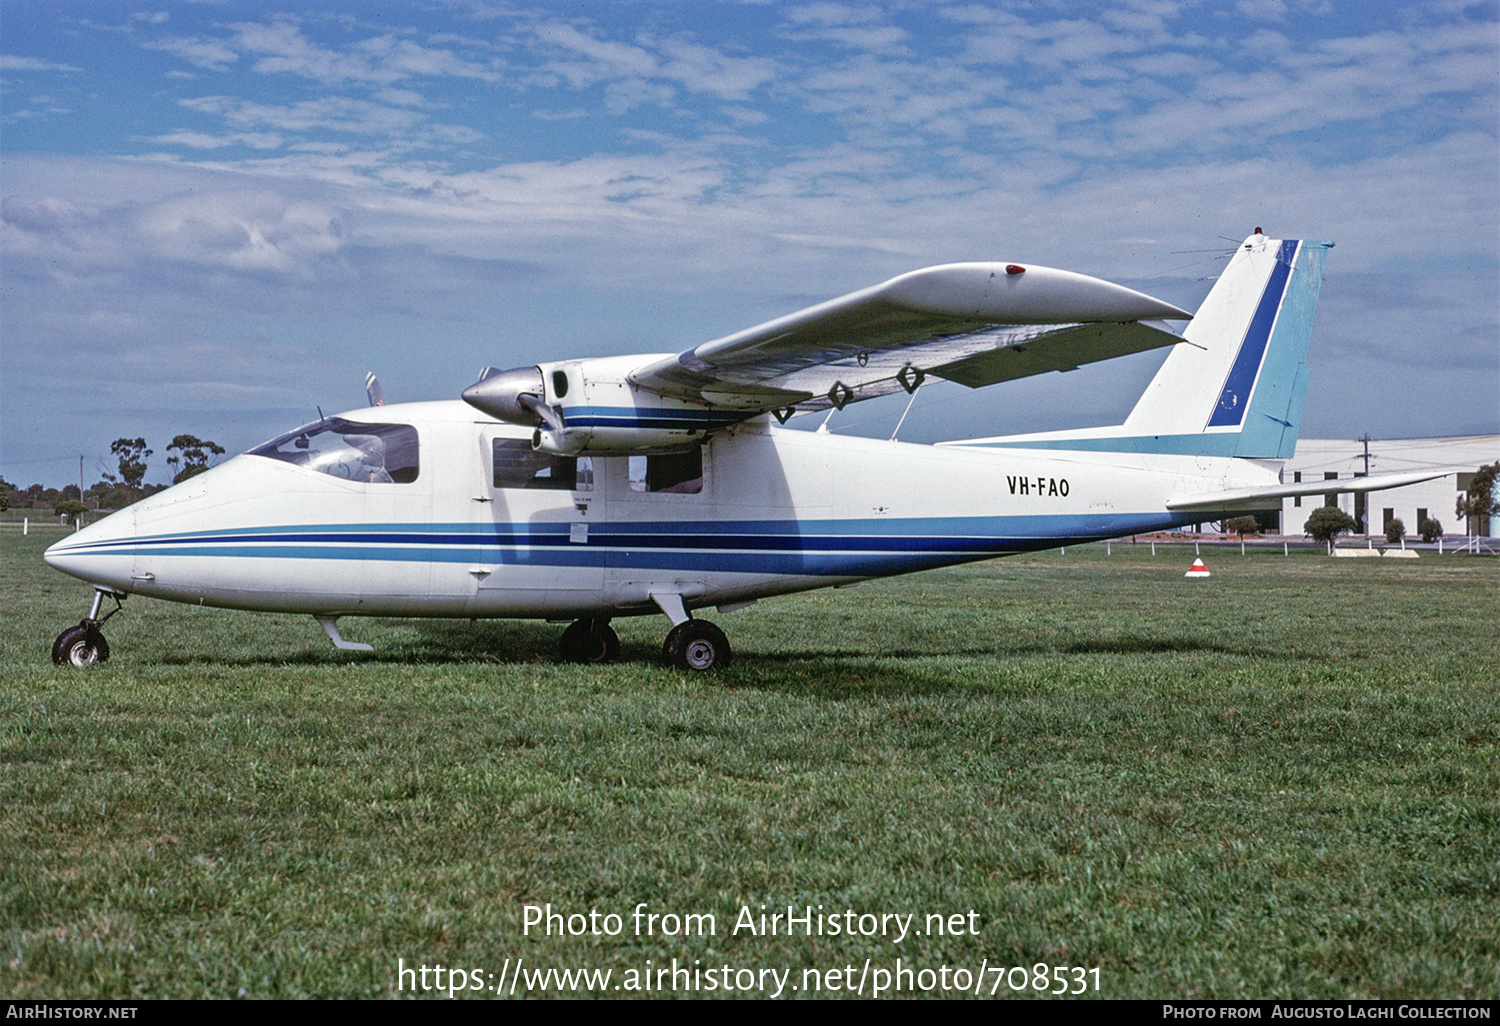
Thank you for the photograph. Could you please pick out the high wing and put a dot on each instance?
(974, 323)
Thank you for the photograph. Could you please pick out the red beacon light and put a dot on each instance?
(1014, 269)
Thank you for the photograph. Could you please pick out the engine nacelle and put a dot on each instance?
(590, 406)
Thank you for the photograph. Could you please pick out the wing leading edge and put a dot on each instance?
(974, 323)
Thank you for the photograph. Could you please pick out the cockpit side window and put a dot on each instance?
(370, 453)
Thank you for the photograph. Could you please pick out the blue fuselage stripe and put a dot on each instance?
(858, 547)
(649, 417)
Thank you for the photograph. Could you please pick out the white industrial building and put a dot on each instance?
(1327, 459)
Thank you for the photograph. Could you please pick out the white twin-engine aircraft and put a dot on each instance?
(589, 489)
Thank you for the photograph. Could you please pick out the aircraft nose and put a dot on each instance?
(100, 553)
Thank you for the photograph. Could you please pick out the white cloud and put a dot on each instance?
(1144, 16)
(253, 232)
(282, 48)
(1262, 10)
(621, 96)
(397, 125)
(202, 141)
(856, 28)
(402, 56)
(209, 54)
(703, 69)
(250, 231)
(642, 72)
(401, 97)
(13, 63)
(602, 59)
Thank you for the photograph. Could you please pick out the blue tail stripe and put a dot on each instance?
(1234, 400)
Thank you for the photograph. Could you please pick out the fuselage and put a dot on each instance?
(472, 529)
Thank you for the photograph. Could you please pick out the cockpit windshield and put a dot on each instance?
(375, 453)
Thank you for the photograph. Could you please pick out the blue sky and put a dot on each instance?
(216, 216)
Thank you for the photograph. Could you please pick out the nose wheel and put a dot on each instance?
(83, 644)
(80, 646)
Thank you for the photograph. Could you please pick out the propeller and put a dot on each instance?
(548, 415)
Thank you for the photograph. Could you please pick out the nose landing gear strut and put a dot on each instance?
(84, 644)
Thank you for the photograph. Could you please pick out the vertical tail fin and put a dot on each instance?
(1240, 376)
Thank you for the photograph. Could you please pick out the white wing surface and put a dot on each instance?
(974, 323)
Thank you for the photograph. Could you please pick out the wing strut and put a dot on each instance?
(908, 408)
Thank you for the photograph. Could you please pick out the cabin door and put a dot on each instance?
(540, 518)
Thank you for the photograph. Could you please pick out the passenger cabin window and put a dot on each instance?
(680, 472)
(517, 465)
(370, 453)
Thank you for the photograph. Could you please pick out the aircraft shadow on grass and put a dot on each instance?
(519, 643)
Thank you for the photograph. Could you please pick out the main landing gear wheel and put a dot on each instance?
(589, 640)
(696, 645)
(80, 645)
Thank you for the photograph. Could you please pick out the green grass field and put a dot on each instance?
(1280, 781)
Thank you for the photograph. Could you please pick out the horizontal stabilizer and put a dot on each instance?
(1265, 498)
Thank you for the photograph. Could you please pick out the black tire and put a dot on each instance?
(589, 641)
(80, 646)
(696, 645)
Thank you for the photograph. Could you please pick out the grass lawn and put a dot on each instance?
(1279, 781)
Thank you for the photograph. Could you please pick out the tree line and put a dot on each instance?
(187, 456)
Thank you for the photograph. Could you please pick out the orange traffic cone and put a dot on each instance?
(1197, 569)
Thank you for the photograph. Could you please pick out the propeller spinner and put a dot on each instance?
(515, 396)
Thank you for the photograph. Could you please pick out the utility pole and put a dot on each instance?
(1360, 498)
